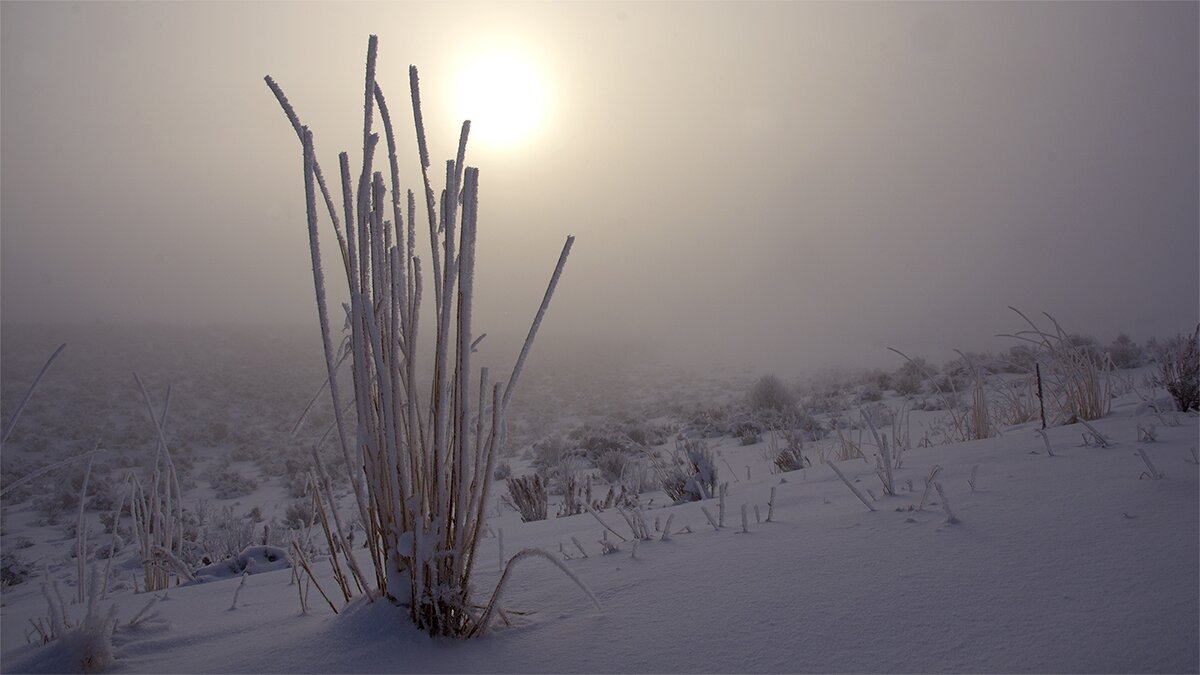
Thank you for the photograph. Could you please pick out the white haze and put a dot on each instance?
(783, 185)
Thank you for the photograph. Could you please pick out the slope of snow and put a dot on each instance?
(1068, 563)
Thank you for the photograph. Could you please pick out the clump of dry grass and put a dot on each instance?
(1077, 380)
(528, 496)
(426, 450)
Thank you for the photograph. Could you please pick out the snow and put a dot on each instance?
(1068, 563)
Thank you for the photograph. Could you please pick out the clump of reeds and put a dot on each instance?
(1077, 380)
(528, 497)
(691, 472)
(157, 509)
(426, 450)
(971, 423)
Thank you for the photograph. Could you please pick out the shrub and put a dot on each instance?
(1125, 353)
(870, 392)
(612, 465)
(13, 570)
(298, 515)
(1179, 371)
(748, 432)
(691, 474)
(548, 455)
(231, 484)
(769, 393)
(909, 377)
(1021, 359)
(503, 471)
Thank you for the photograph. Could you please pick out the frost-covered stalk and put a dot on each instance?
(850, 485)
(711, 521)
(745, 520)
(600, 520)
(1046, 441)
(12, 421)
(771, 506)
(81, 529)
(945, 504)
(1099, 438)
(933, 474)
(424, 469)
(974, 473)
(884, 457)
(721, 503)
(579, 546)
(1154, 473)
(238, 591)
(158, 513)
(482, 624)
(112, 545)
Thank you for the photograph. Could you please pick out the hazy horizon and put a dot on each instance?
(781, 186)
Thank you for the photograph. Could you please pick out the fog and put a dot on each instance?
(785, 185)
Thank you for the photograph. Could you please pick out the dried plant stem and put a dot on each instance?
(945, 504)
(850, 485)
(12, 421)
(482, 624)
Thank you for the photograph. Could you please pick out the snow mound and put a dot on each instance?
(252, 560)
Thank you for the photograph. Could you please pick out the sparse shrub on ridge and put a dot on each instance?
(770, 393)
(1125, 353)
(1179, 371)
(612, 465)
(691, 474)
(1075, 375)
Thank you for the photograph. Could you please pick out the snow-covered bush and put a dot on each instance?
(691, 474)
(749, 432)
(13, 570)
(612, 465)
(910, 377)
(770, 393)
(1125, 353)
(549, 454)
(870, 392)
(226, 535)
(646, 435)
(231, 484)
(254, 559)
(1179, 371)
(298, 515)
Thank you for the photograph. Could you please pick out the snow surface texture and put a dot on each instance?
(1068, 563)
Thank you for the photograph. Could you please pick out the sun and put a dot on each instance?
(501, 92)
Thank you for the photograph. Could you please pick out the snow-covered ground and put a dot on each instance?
(1075, 562)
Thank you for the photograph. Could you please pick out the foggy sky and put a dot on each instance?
(783, 185)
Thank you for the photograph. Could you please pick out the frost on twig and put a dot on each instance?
(850, 485)
(1152, 473)
(946, 505)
